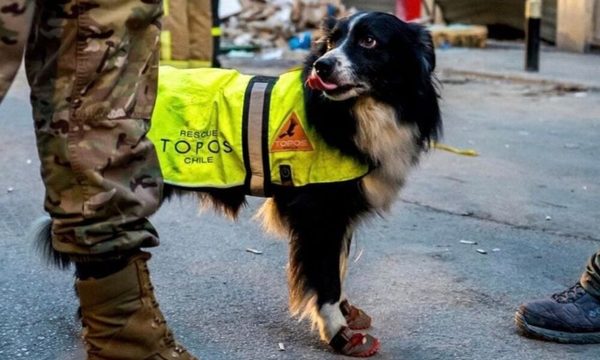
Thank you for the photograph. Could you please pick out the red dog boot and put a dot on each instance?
(355, 317)
(354, 344)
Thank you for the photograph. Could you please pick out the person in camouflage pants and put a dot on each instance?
(92, 67)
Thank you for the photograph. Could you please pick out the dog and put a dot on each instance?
(369, 93)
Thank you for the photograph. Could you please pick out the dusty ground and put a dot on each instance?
(533, 194)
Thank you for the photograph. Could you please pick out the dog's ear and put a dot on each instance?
(328, 24)
(320, 44)
(426, 48)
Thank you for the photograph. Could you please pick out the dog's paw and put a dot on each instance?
(349, 343)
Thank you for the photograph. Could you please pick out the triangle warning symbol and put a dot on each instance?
(291, 137)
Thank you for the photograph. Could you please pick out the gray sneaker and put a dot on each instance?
(571, 316)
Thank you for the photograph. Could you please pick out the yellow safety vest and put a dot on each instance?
(216, 128)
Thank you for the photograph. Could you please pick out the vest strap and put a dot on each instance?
(255, 132)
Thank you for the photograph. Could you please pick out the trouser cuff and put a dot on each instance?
(590, 279)
(590, 285)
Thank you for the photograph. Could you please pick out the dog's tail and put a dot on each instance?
(41, 234)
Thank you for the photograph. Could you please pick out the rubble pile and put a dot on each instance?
(271, 23)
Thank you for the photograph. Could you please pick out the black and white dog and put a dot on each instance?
(369, 92)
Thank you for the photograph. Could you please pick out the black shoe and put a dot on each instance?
(571, 316)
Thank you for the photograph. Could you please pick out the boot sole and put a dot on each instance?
(554, 335)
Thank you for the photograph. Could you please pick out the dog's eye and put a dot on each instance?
(368, 42)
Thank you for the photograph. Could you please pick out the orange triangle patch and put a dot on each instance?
(291, 137)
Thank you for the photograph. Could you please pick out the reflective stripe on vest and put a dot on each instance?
(215, 128)
(258, 103)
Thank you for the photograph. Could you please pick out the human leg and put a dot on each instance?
(92, 67)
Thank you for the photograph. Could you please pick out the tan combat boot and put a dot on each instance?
(121, 319)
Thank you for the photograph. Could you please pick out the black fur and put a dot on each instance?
(40, 231)
(401, 71)
(319, 219)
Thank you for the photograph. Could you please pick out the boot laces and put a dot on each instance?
(570, 295)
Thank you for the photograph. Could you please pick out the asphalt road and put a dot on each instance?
(532, 195)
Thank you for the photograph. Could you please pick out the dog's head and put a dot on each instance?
(380, 56)
(369, 54)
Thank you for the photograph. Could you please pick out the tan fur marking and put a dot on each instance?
(272, 220)
(304, 307)
(390, 143)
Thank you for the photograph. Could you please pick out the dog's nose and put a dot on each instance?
(324, 67)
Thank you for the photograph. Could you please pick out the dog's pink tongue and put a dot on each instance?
(316, 83)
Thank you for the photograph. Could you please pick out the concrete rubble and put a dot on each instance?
(270, 23)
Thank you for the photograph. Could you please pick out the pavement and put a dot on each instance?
(530, 199)
(506, 61)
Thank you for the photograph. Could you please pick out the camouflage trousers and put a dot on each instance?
(92, 67)
(590, 280)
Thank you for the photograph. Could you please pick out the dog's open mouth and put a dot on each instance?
(315, 82)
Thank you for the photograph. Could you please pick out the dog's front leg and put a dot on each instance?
(314, 276)
(319, 221)
(316, 269)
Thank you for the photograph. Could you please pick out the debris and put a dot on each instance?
(548, 217)
(467, 213)
(28, 161)
(310, 13)
(455, 150)
(273, 54)
(481, 251)
(454, 80)
(254, 251)
(359, 255)
(281, 347)
(468, 242)
(580, 94)
(270, 23)
(302, 40)
(495, 249)
(229, 8)
(243, 39)
(240, 54)
(571, 146)
(458, 35)
(10, 189)
(584, 187)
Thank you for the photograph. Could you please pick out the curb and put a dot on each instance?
(521, 78)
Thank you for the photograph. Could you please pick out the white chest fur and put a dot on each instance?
(390, 143)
